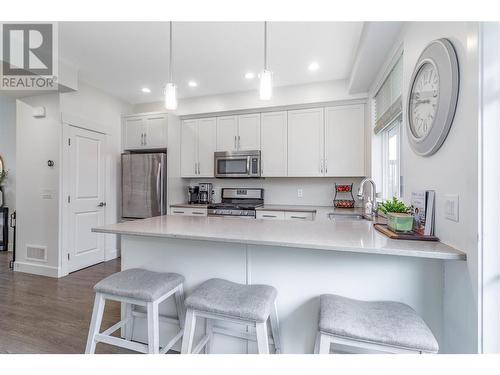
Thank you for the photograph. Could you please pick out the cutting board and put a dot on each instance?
(384, 229)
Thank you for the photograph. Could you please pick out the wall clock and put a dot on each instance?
(433, 95)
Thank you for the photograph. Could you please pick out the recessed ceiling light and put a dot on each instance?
(192, 84)
(146, 90)
(313, 66)
(249, 75)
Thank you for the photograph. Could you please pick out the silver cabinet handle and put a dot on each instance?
(269, 216)
(321, 166)
(326, 165)
(142, 139)
(198, 213)
(297, 217)
(178, 212)
(235, 146)
(199, 172)
(145, 139)
(195, 168)
(239, 143)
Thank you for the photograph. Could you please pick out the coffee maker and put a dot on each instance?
(206, 193)
(193, 193)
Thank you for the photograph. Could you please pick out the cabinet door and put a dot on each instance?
(206, 146)
(155, 131)
(133, 133)
(273, 132)
(249, 132)
(345, 141)
(305, 142)
(189, 148)
(227, 132)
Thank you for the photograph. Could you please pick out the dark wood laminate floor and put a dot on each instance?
(46, 315)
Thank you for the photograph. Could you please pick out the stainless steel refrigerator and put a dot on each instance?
(144, 185)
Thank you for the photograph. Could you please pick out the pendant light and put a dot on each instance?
(171, 87)
(266, 76)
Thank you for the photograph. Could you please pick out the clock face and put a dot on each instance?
(424, 100)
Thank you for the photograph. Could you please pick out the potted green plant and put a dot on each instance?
(399, 217)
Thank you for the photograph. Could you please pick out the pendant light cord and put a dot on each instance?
(170, 54)
(265, 45)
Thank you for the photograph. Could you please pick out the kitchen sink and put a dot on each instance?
(335, 216)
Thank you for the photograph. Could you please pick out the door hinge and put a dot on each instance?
(69, 141)
(69, 199)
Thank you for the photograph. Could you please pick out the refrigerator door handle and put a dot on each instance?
(159, 192)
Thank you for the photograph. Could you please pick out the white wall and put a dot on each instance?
(452, 170)
(103, 113)
(8, 152)
(37, 141)
(288, 95)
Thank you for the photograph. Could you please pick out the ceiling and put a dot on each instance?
(122, 57)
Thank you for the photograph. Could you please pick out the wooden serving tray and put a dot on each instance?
(384, 229)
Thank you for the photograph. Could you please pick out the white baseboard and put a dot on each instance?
(110, 254)
(37, 269)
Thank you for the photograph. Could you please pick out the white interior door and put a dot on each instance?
(86, 198)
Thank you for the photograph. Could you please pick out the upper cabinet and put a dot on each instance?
(198, 138)
(345, 141)
(274, 144)
(145, 131)
(306, 142)
(238, 133)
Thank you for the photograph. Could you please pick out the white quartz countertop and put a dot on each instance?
(346, 236)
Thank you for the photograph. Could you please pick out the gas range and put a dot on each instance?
(237, 202)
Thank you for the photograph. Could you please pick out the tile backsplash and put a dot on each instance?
(315, 191)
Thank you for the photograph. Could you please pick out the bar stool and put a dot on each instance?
(384, 326)
(222, 300)
(137, 287)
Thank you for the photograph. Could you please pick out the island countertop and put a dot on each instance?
(343, 236)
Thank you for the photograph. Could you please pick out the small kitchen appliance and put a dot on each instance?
(238, 202)
(205, 193)
(237, 164)
(193, 193)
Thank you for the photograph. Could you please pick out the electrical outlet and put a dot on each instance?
(299, 193)
(451, 207)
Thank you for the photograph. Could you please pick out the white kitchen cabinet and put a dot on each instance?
(273, 133)
(188, 211)
(145, 132)
(306, 142)
(270, 215)
(300, 216)
(198, 138)
(249, 132)
(235, 133)
(345, 141)
(227, 133)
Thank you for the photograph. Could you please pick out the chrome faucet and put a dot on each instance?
(373, 194)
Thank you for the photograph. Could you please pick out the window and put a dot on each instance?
(388, 118)
(391, 159)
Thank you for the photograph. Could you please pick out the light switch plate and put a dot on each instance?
(451, 207)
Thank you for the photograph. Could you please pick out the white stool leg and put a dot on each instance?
(129, 328)
(189, 327)
(179, 305)
(153, 328)
(95, 323)
(262, 338)
(324, 343)
(209, 332)
(275, 329)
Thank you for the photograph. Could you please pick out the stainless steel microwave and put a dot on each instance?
(237, 164)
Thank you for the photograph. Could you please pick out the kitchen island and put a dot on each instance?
(300, 259)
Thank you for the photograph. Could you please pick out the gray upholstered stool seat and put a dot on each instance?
(252, 302)
(137, 283)
(387, 323)
(219, 300)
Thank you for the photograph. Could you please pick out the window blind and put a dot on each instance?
(387, 101)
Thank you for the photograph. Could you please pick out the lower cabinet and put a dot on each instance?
(185, 211)
(285, 215)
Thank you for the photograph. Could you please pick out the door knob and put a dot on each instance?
(102, 204)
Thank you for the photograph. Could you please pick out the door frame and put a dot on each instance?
(69, 121)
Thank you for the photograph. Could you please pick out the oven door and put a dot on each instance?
(237, 164)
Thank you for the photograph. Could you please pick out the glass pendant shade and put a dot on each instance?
(171, 96)
(266, 84)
